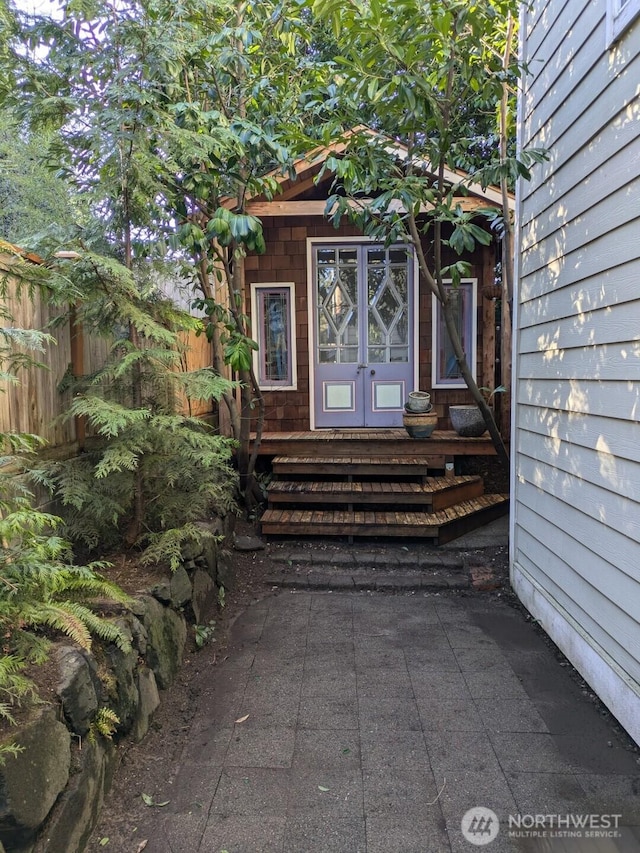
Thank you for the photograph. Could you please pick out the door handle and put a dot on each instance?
(361, 367)
(373, 373)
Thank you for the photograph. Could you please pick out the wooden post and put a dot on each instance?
(488, 321)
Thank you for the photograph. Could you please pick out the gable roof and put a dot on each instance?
(307, 167)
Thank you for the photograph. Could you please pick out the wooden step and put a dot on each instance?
(355, 465)
(371, 442)
(435, 493)
(441, 526)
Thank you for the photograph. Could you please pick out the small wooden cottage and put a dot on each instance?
(345, 330)
(575, 527)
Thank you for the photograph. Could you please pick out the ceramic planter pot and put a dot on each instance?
(419, 401)
(467, 421)
(420, 425)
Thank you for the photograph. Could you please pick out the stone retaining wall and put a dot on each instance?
(52, 792)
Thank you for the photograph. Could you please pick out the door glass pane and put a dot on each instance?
(337, 305)
(387, 296)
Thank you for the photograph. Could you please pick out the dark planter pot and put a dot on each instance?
(467, 421)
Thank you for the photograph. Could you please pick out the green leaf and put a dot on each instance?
(149, 801)
(104, 841)
(322, 788)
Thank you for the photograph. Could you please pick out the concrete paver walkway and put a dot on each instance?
(371, 723)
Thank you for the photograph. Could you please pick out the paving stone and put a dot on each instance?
(468, 636)
(426, 660)
(322, 713)
(327, 748)
(531, 752)
(330, 685)
(335, 558)
(331, 630)
(207, 744)
(323, 644)
(220, 707)
(481, 659)
(510, 715)
(368, 558)
(460, 751)
(251, 790)
(495, 682)
(399, 792)
(289, 556)
(326, 791)
(314, 834)
(387, 834)
(243, 834)
(333, 603)
(261, 747)
(606, 753)
(547, 793)
(613, 794)
(193, 790)
(374, 682)
(388, 714)
(452, 715)
(383, 657)
(398, 750)
(328, 579)
(501, 844)
(271, 659)
(430, 685)
(181, 833)
(267, 708)
(325, 666)
(462, 789)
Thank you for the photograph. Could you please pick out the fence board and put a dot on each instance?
(35, 405)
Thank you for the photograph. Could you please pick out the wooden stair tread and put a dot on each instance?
(438, 490)
(344, 465)
(387, 522)
(432, 484)
(351, 460)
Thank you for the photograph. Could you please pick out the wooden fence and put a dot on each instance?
(36, 403)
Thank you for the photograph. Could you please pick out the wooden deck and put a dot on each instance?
(442, 444)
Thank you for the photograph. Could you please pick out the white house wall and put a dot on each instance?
(575, 543)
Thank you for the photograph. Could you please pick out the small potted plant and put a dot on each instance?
(467, 420)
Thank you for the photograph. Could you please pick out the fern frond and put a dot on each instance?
(102, 628)
(62, 617)
(104, 723)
